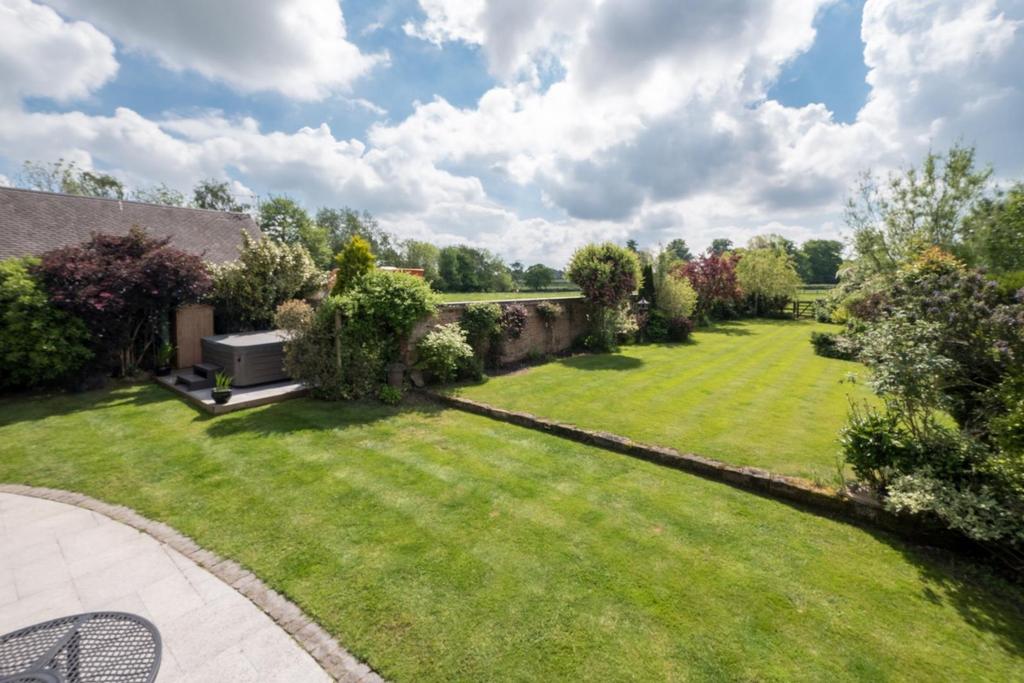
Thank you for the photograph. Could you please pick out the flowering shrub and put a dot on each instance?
(549, 312)
(513, 320)
(444, 351)
(248, 291)
(482, 323)
(39, 343)
(123, 288)
(945, 339)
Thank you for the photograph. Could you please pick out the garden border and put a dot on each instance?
(335, 660)
(793, 490)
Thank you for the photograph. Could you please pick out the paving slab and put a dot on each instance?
(58, 559)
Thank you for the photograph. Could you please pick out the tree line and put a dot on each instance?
(454, 268)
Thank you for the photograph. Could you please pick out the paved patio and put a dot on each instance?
(57, 559)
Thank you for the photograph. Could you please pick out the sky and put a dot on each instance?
(527, 127)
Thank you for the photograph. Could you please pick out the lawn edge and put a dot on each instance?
(858, 509)
(332, 657)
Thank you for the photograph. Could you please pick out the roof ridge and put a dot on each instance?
(128, 201)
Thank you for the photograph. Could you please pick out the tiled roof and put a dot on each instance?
(32, 223)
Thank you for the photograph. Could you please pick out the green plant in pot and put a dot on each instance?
(164, 354)
(222, 388)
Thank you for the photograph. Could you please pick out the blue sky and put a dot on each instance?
(526, 128)
(833, 71)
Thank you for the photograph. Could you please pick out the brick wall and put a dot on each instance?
(536, 336)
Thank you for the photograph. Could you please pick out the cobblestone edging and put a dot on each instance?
(327, 652)
(790, 489)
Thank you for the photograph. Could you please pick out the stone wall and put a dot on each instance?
(536, 337)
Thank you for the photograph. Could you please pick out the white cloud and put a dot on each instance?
(658, 126)
(296, 47)
(42, 55)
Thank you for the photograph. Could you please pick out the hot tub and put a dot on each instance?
(249, 357)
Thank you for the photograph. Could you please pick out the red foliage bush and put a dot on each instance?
(122, 288)
(714, 279)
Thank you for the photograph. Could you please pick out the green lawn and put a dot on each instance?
(505, 296)
(442, 546)
(747, 393)
(812, 293)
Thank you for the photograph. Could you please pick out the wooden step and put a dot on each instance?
(194, 382)
(206, 369)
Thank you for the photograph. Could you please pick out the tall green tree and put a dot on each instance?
(768, 279)
(462, 268)
(69, 178)
(538, 276)
(679, 250)
(995, 232)
(216, 195)
(894, 222)
(819, 260)
(160, 193)
(345, 223)
(418, 254)
(284, 221)
(720, 245)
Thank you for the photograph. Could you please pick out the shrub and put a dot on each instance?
(831, 345)
(354, 261)
(444, 351)
(513, 320)
(549, 312)
(1010, 284)
(664, 328)
(679, 329)
(982, 512)
(607, 273)
(713, 277)
(390, 395)
(123, 288)
(293, 315)
(676, 297)
(343, 350)
(39, 344)
(482, 323)
(247, 292)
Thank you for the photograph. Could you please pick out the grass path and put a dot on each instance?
(505, 296)
(440, 546)
(747, 393)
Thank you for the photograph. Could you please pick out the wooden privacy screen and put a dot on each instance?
(191, 324)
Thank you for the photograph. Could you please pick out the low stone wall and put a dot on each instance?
(858, 509)
(537, 337)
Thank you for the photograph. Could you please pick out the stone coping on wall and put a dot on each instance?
(328, 653)
(531, 300)
(857, 508)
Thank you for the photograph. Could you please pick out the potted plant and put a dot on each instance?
(222, 388)
(164, 354)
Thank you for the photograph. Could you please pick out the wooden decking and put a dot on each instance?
(241, 398)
